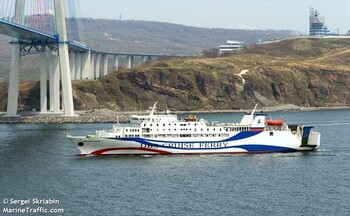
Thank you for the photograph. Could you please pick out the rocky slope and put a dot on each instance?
(303, 72)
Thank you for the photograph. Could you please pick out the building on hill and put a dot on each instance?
(231, 46)
(317, 25)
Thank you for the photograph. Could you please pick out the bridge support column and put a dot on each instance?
(54, 84)
(78, 66)
(67, 91)
(146, 58)
(130, 61)
(104, 65)
(63, 58)
(86, 65)
(72, 65)
(93, 63)
(97, 65)
(12, 99)
(116, 63)
(51, 82)
(43, 82)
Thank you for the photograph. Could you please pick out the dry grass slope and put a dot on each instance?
(303, 72)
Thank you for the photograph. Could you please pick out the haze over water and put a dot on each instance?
(37, 161)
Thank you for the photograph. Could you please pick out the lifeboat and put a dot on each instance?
(191, 118)
(277, 122)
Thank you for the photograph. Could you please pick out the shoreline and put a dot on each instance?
(108, 116)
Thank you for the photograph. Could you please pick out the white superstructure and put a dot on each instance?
(166, 134)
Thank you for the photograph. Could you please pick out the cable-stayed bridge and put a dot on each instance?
(50, 28)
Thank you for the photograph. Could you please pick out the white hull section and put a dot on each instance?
(239, 142)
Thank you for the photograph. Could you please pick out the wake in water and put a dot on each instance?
(332, 124)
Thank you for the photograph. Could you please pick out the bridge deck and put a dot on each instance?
(18, 31)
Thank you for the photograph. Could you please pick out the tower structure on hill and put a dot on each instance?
(317, 25)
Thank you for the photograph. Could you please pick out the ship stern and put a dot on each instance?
(314, 139)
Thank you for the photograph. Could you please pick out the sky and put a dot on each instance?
(229, 14)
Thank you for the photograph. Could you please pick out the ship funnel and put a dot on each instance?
(259, 122)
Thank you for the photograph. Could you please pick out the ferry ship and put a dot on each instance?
(164, 134)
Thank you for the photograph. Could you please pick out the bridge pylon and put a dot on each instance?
(54, 61)
(13, 90)
(63, 58)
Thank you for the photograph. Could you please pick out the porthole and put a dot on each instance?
(80, 143)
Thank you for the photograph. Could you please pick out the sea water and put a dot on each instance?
(40, 172)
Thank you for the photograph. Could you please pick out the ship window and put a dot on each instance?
(271, 133)
(157, 125)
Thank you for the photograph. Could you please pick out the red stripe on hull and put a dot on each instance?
(101, 151)
(161, 152)
(256, 129)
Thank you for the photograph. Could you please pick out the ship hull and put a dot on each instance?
(248, 142)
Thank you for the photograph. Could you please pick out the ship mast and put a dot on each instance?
(153, 109)
(256, 105)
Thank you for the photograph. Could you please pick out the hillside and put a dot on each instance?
(159, 37)
(141, 36)
(303, 72)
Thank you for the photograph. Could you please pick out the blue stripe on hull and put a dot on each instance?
(250, 148)
(265, 148)
(239, 136)
(247, 147)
